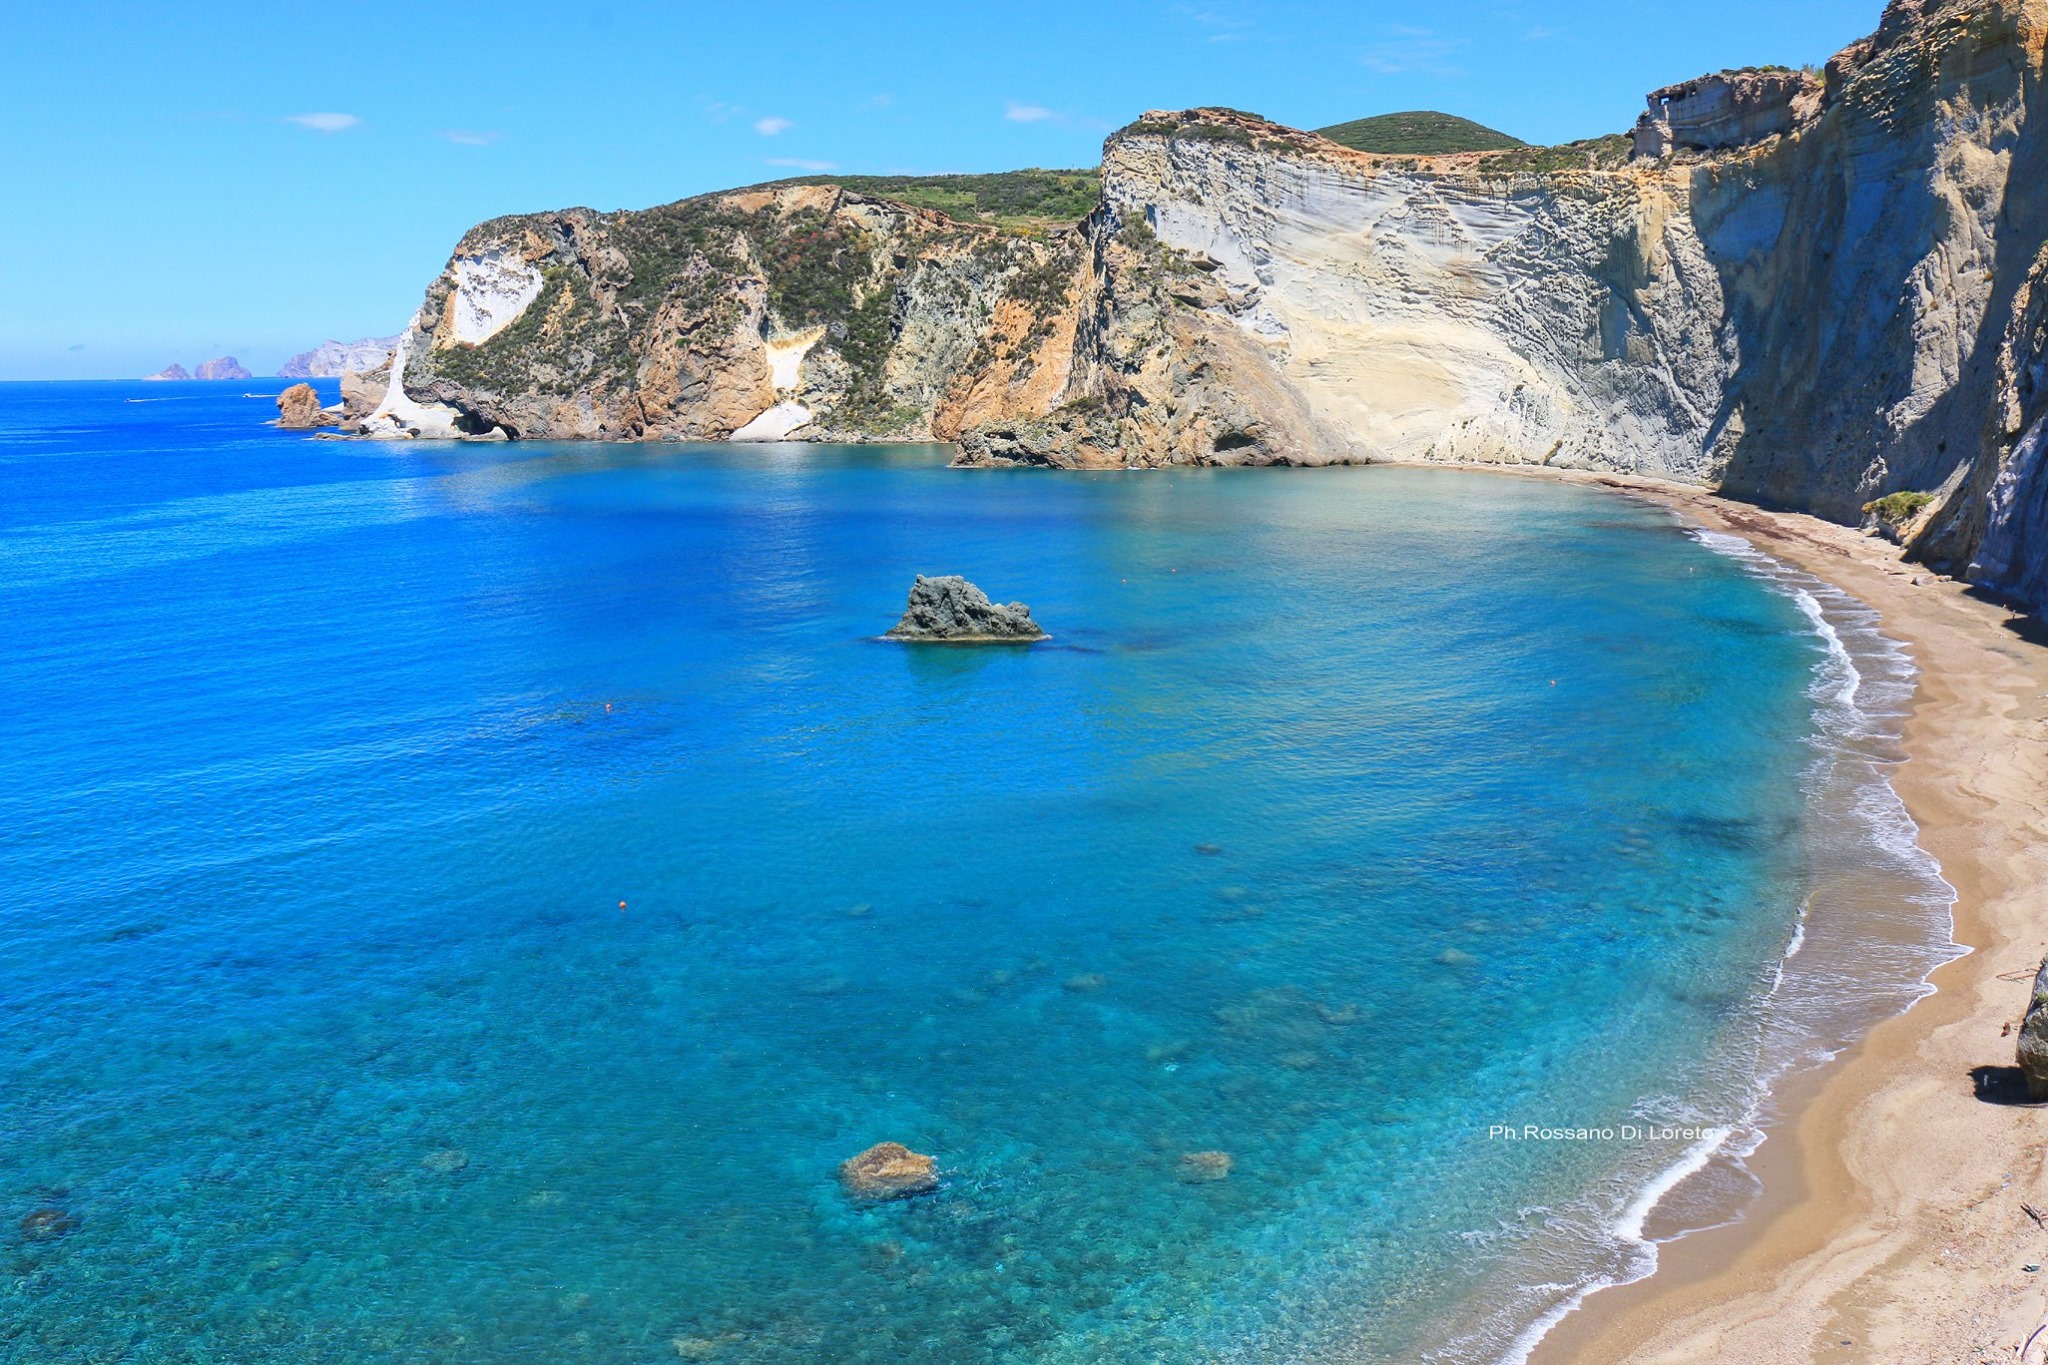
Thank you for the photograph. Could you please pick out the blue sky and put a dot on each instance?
(189, 180)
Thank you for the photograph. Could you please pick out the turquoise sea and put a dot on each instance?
(461, 903)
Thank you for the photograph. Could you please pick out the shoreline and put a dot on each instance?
(1891, 1224)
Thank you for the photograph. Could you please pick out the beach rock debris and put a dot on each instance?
(889, 1170)
(950, 609)
(298, 407)
(1200, 1168)
(2033, 1045)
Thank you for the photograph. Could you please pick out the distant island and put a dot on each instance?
(220, 367)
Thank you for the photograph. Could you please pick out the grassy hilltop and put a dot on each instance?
(1419, 132)
(1013, 199)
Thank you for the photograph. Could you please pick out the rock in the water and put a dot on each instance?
(2033, 1047)
(299, 407)
(889, 1170)
(1200, 1168)
(170, 372)
(361, 393)
(949, 608)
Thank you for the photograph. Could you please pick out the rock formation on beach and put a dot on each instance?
(298, 407)
(169, 372)
(2033, 1044)
(951, 610)
(222, 367)
(888, 1170)
(1809, 289)
(333, 359)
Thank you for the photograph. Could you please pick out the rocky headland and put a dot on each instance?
(1808, 289)
(333, 359)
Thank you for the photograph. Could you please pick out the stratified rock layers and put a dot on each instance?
(1845, 303)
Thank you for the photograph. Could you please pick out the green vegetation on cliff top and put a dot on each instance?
(1419, 132)
(1012, 199)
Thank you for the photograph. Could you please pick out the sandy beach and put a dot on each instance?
(1905, 1212)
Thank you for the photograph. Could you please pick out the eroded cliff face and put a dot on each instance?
(1812, 319)
(811, 313)
(1813, 290)
(753, 315)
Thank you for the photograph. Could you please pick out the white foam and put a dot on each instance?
(1862, 686)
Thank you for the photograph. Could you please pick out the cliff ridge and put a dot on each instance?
(1809, 289)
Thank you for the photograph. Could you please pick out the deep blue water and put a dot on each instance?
(1348, 813)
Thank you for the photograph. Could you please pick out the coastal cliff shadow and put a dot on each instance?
(2005, 1085)
(2027, 626)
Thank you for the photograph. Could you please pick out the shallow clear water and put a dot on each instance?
(1348, 814)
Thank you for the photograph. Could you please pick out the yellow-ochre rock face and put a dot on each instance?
(888, 1170)
(1811, 289)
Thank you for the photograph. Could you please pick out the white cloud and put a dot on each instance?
(324, 123)
(797, 163)
(773, 124)
(1027, 113)
(881, 101)
(1413, 49)
(462, 137)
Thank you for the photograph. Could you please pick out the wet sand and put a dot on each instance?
(1895, 1225)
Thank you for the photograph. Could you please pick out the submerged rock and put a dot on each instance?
(445, 1160)
(2033, 1045)
(47, 1224)
(298, 407)
(1200, 1168)
(889, 1170)
(951, 609)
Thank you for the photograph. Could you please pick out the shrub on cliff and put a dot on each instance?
(1896, 509)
